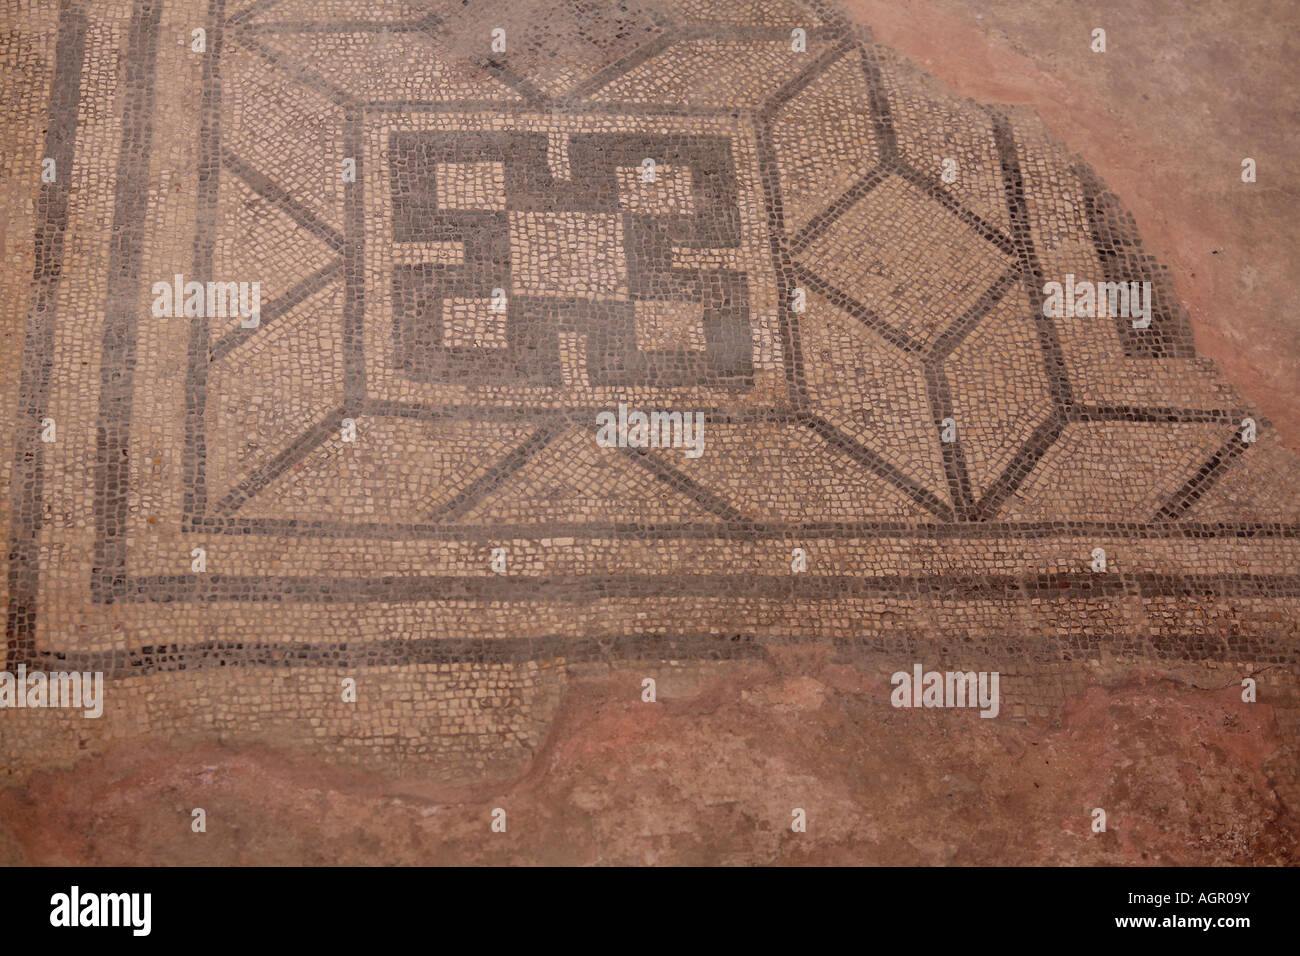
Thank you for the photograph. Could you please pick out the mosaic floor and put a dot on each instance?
(468, 246)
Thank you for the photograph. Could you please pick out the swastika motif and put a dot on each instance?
(597, 236)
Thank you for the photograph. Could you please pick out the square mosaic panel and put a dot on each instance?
(437, 335)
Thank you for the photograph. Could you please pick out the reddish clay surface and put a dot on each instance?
(712, 779)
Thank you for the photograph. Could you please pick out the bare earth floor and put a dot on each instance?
(388, 551)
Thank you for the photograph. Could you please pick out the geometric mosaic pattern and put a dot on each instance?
(776, 172)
